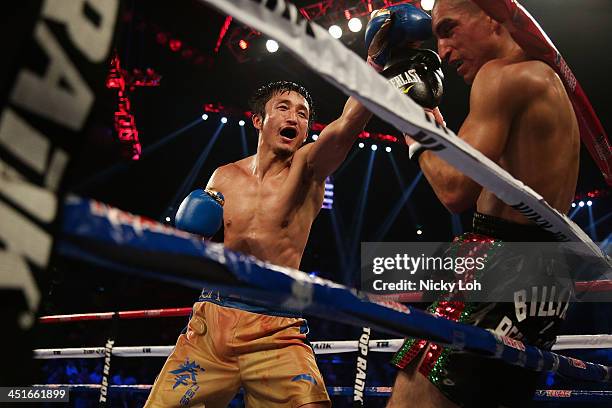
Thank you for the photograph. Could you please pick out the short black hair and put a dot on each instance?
(265, 93)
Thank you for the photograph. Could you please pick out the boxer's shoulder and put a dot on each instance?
(529, 73)
(230, 173)
(237, 168)
(513, 83)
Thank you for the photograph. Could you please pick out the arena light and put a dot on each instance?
(222, 32)
(573, 205)
(175, 44)
(335, 31)
(243, 44)
(205, 116)
(315, 137)
(374, 147)
(223, 119)
(581, 204)
(419, 232)
(388, 149)
(361, 145)
(271, 46)
(427, 5)
(328, 197)
(589, 203)
(241, 122)
(355, 24)
(167, 219)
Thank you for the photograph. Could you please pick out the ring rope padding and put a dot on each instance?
(104, 235)
(572, 342)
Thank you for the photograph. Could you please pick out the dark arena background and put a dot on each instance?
(140, 100)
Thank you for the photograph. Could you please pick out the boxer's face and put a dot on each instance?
(285, 124)
(465, 37)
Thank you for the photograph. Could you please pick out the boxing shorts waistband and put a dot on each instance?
(509, 231)
(213, 296)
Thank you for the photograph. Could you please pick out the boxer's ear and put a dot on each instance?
(257, 121)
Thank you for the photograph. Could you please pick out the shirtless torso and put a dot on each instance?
(543, 145)
(271, 200)
(269, 217)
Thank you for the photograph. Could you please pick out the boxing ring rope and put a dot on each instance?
(563, 342)
(540, 395)
(107, 236)
(581, 287)
(129, 314)
(574, 342)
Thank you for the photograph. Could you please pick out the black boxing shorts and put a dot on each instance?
(472, 380)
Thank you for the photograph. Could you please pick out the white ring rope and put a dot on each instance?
(597, 341)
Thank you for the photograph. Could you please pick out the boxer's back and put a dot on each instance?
(543, 146)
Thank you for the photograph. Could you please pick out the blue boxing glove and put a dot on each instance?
(201, 212)
(394, 27)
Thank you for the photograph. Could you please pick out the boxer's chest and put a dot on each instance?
(254, 205)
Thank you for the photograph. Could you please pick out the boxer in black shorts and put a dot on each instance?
(521, 118)
(456, 373)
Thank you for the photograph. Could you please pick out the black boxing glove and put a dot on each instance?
(418, 74)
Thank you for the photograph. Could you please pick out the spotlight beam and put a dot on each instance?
(604, 244)
(182, 191)
(573, 213)
(338, 236)
(400, 179)
(118, 167)
(245, 147)
(604, 218)
(162, 142)
(356, 233)
(398, 173)
(391, 217)
(592, 230)
(346, 162)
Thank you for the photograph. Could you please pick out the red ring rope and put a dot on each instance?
(581, 287)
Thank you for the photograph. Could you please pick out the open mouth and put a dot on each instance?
(289, 132)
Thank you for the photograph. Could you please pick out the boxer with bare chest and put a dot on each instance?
(270, 202)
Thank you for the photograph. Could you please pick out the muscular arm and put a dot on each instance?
(497, 96)
(334, 142)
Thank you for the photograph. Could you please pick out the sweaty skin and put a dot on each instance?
(272, 197)
(520, 117)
